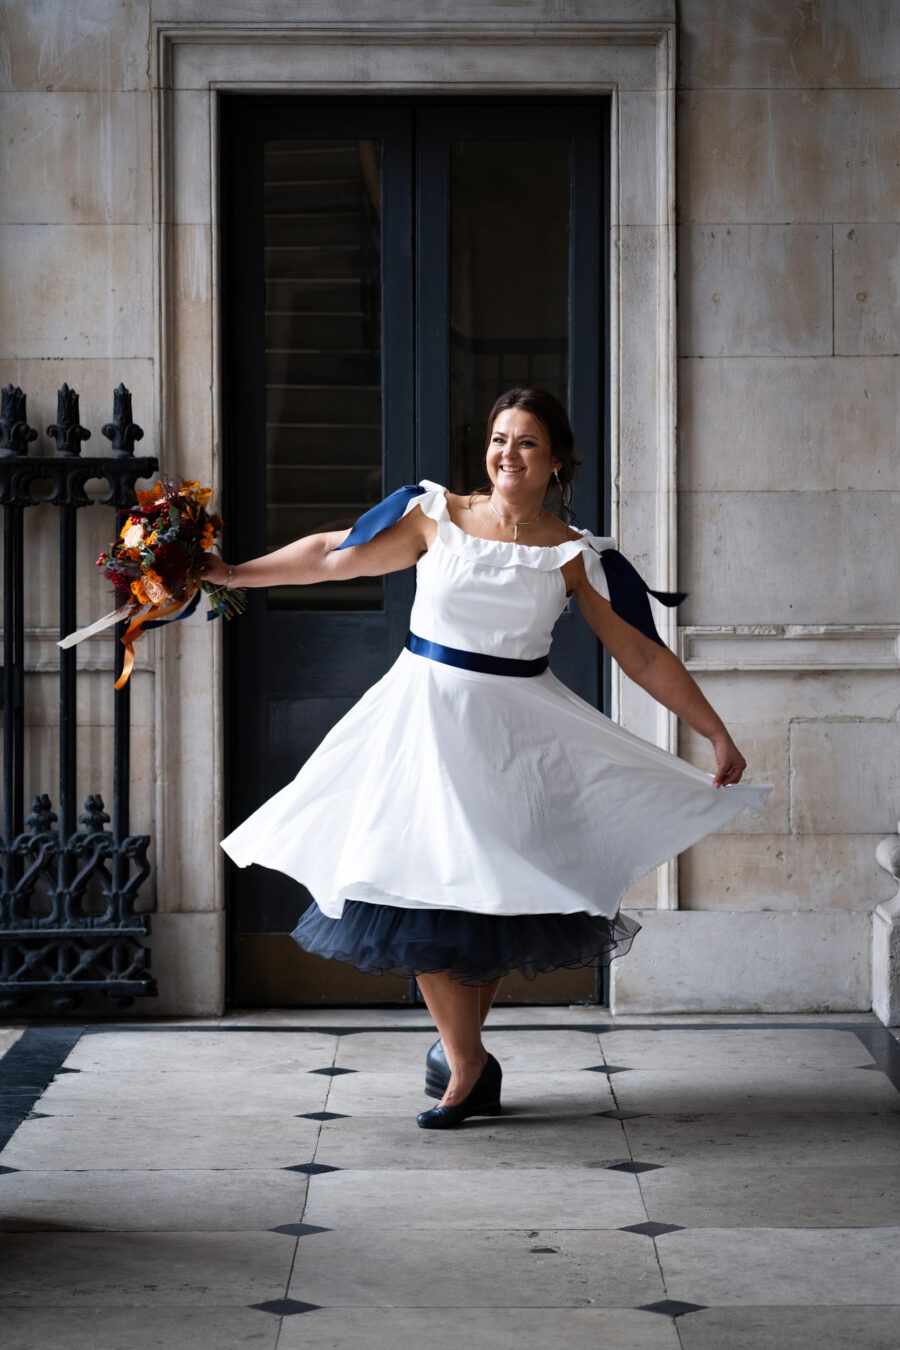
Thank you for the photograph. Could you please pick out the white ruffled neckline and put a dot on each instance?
(500, 552)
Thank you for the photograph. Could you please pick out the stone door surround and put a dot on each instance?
(630, 60)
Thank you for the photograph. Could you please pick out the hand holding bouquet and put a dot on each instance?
(157, 563)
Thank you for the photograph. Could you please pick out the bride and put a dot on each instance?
(471, 815)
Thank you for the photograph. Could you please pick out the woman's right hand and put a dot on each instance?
(214, 569)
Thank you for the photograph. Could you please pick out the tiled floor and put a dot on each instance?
(693, 1183)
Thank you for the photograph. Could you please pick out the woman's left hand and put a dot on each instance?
(730, 763)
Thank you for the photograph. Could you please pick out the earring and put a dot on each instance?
(556, 476)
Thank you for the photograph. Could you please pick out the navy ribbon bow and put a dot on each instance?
(628, 590)
(628, 593)
(379, 517)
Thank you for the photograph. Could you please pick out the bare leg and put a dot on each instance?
(488, 992)
(456, 1010)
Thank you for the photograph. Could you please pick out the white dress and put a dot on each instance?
(493, 795)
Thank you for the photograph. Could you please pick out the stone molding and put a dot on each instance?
(631, 61)
(886, 939)
(804, 647)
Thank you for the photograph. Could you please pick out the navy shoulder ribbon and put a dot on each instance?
(628, 593)
(379, 517)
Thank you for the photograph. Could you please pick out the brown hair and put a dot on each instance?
(555, 420)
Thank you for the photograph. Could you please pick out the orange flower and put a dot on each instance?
(137, 590)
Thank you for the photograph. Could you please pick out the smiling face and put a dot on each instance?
(520, 460)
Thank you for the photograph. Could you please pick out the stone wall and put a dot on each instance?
(788, 468)
(788, 196)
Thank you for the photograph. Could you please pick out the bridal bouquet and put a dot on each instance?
(155, 565)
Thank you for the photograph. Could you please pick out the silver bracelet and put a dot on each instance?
(230, 571)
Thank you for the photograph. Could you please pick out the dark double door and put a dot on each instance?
(388, 269)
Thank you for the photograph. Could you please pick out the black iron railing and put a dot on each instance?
(68, 923)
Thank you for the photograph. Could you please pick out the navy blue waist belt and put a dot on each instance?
(486, 665)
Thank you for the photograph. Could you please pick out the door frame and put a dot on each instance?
(416, 135)
(633, 62)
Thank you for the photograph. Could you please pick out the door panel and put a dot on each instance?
(511, 292)
(361, 351)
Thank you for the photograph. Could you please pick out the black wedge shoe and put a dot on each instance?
(483, 1100)
(437, 1071)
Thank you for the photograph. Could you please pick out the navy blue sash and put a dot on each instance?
(486, 665)
(628, 590)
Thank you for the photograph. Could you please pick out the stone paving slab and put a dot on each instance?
(482, 1329)
(123, 1201)
(720, 1266)
(546, 1051)
(203, 1051)
(94, 1142)
(139, 1269)
(510, 1141)
(765, 1196)
(787, 1327)
(765, 1047)
(466, 1200)
(229, 1092)
(538, 1268)
(782, 1138)
(111, 1328)
(402, 1094)
(807, 1092)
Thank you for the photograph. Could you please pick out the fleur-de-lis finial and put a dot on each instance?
(66, 430)
(15, 433)
(121, 431)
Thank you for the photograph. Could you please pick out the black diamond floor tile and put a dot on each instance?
(285, 1307)
(608, 1068)
(634, 1167)
(299, 1229)
(322, 1115)
(8, 1169)
(621, 1115)
(312, 1169)
(670, 1307)
(332, 1072)
(653, 1230)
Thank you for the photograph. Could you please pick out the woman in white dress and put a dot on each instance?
(471, 815)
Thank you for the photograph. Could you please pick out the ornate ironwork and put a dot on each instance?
(69, 922)
(15, 433)
(121, 431)
(67, 430)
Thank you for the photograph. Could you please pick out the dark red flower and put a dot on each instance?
(171, 562)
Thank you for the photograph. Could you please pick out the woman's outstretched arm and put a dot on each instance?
(314, 557)
(659, 671)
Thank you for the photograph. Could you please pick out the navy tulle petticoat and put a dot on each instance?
(474, 948)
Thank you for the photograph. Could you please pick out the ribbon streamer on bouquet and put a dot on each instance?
(115, 616)
(141, 622)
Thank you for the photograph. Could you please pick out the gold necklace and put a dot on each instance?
(514, 523)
